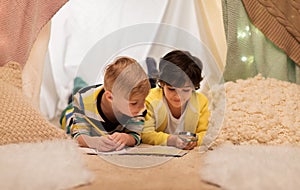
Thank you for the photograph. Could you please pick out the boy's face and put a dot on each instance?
(177, 97)
(131, 107)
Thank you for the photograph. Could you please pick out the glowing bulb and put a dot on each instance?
(242, 34)
(244, 58)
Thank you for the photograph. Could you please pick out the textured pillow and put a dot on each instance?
(261, 111)
(19, 121)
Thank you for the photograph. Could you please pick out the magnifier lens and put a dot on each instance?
(188, 136)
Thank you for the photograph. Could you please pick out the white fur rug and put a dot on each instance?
(48, 165)
(253, 167)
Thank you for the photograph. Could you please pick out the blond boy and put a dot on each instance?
(110, 116)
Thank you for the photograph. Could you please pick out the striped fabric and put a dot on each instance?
(83, 116)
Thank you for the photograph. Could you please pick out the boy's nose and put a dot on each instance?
(177, 94)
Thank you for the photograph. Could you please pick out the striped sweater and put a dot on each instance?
(84, 116)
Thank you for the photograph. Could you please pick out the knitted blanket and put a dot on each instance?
(279, 21)
(19, 120)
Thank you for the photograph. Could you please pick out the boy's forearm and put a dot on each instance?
(171, 141)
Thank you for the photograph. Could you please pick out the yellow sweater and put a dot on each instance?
(156, 121)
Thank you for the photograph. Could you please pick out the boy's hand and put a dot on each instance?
(102, 143)
(174, 140)
(122, 139)
(190, 146)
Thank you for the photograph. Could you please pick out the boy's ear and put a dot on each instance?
(108, 95)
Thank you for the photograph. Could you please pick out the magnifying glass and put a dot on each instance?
(188, 136)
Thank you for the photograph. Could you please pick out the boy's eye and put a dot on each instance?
(133, 103)
(186, 90)
(171, 89)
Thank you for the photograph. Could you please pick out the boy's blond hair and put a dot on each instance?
(125, 77)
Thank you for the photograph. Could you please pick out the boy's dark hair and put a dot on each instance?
(178, 67)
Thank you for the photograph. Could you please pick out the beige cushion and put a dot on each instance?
(261, 111)
(19, 121)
